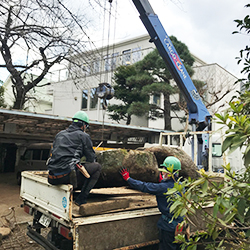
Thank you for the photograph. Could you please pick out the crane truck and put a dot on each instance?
(129, 227)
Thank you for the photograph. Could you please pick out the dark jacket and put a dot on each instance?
(159, 189)
(69, 147)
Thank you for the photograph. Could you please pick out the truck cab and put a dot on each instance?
(33, 157)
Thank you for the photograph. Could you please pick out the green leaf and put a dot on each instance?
(247, 149)
(238, 140)
(222, 222)
(243, 185)
(248, 233)
(239, 108)
(227, 167)
(241, 218)
(219, 116)
(241, 206)
(229, 210)
(171, 191)
(183, 212)
(247, 127)
(225, 203)
(221, 243)
(215, 210)
(226, 144)
(233, 108)
(196, 183)
(205, 186)
(247, 159)
(215, 234)
(193, 247)
(230, 217)
(174, 205)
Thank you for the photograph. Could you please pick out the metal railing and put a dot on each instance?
(180, 143)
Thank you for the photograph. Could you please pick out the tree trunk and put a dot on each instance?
(128, 120)
(167, 113)
(20, 97)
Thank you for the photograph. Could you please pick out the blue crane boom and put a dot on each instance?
(198, 113)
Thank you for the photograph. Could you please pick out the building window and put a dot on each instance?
(36, 154)
(114, 60)
(136, 55)
(126, 57)
(216, 150)
(27, 155)
(157, 99)
(86, 69)
(84, 99)
(107, 63)
(96, 66)
(45, 154)
(93, 99)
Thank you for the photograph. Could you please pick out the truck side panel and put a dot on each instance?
(120, 230)
(53, 199)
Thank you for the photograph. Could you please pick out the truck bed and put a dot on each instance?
(58, 200)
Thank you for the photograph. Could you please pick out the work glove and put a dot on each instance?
(160, 178)
(125, 173)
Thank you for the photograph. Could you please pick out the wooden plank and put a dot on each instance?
(117, 191)
(103, 206)
(137, 200)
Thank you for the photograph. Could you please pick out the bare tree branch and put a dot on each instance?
(40, 34)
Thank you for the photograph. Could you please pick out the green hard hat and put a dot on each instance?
(170, 162)
(82, 116)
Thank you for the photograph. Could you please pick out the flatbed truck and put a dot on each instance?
(130, 226)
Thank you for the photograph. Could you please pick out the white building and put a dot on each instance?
(71, 95)
(221, 87)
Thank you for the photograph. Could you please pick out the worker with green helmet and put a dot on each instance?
(167, 223)
(64, 166)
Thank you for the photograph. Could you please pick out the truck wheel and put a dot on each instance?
(18, 178)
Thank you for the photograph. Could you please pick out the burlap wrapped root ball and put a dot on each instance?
(142, 165)
(188, 168)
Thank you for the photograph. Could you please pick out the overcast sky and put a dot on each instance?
(205, 26)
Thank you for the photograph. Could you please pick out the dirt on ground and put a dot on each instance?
(12, 216)
(18, 240)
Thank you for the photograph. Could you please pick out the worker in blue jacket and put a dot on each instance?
(166, 224)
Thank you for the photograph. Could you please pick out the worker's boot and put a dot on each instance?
(82, 197)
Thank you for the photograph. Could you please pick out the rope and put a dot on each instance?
(103, 29)
(113, 50)
(107, 55)
(107, 58)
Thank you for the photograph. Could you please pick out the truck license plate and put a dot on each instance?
(45, 220)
